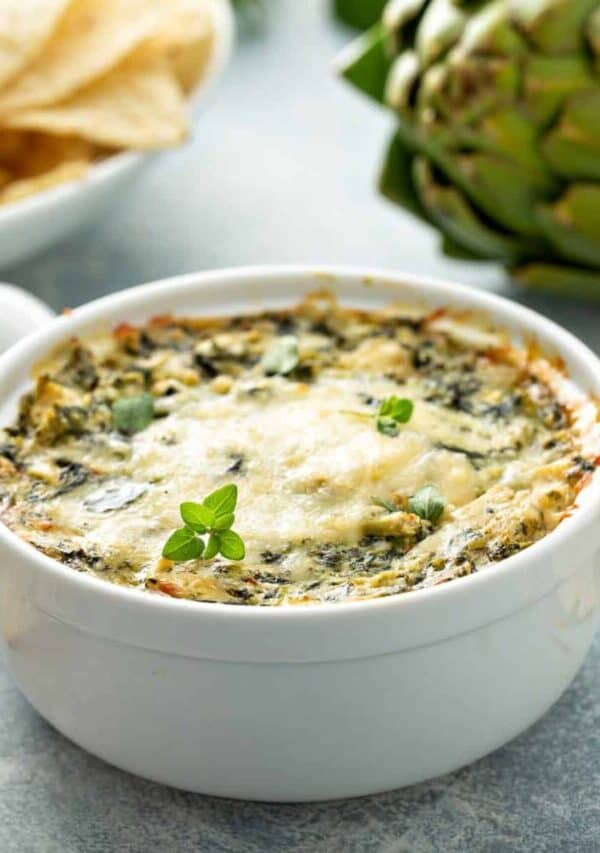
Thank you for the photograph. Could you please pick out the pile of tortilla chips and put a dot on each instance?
(82, 79)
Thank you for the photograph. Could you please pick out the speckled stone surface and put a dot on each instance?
(282, 169)
(539, 794)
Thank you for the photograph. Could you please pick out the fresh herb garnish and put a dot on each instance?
(231, 545)
(281, 356)
(427, 503)
(385, 504)
(183, 545)
(215, 516)
(133, 414)
(393, 411)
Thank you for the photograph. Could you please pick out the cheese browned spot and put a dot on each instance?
(324, 496)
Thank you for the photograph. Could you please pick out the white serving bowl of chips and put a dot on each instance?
(49, 207)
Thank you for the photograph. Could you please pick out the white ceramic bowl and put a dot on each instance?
(38, 221)
(301, 703)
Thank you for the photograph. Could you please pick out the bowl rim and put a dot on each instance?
(507, 581)
(125, 161)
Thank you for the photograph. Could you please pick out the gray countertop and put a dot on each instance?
(282, 168)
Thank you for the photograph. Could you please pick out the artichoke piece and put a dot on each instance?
(115, 494)
(572, 148)
(366, 63)
(449, 210)
(561, 280)
(553, 26)
(572, 224)
(380, 522)
(548, 80)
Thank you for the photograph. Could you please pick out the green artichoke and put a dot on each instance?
(498, 128)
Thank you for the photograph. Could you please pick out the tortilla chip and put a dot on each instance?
(90, 77)
(138, 105)
(90, 40)
(20, 189)
(25, 26)
(24, 153)
(44, 153)
(13, 148)
(187, 40)
(5, 177)
(32, 162)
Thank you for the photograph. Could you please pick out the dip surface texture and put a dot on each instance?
(337, 500)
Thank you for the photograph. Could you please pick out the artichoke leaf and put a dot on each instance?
(572, 224)
(439, 29)
(502, 190)
(490, 31)
(574, 282)
(432, 95)
(397, 16)
(398, 13)
(572, 147)
(507, 192)
(461, 226)
(508, 132)
(548, 80)
(463, 89)
(593, 35)
(366, 63)
(401, 80)
(360, 14)
(453, 250)
(553, 26)
(395, 178)
(447, 208)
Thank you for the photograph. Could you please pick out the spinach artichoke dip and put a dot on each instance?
(320, 454)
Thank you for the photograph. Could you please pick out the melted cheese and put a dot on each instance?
(311, 466)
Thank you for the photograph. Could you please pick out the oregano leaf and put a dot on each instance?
(427, 503)
(231, 545)
(183, 545)
(133, 414)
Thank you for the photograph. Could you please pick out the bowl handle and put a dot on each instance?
(20, 314)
